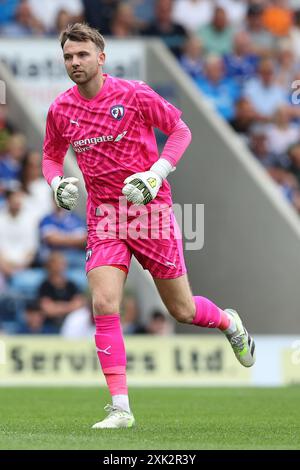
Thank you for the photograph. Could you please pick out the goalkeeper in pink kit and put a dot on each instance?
(109, 123)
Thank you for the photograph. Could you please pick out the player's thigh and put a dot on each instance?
(162, 252)
(177, 296)
(106, 284)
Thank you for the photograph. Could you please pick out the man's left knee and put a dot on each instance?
(183, 313)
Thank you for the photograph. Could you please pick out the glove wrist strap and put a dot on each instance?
(162, 168)
(55, 182)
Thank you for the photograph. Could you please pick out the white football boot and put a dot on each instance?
(117, 418)
(241, 342)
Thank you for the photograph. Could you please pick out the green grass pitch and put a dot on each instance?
(167, 418)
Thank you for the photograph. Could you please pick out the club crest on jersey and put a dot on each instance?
(117, 112)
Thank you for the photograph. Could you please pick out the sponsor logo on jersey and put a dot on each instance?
(117, 112)
(86, 144)
(88, 255)
(120, 136)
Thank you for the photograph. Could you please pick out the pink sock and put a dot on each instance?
(111, 352)
(209, 315)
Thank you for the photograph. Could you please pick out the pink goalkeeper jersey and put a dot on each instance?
(112, 136)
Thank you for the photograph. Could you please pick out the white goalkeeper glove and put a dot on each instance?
(65, 192)
(141, 188)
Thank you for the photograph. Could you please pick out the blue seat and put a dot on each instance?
(78, 276)
(11, 311)
(27, 282)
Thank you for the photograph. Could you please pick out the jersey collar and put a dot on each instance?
(99, 95)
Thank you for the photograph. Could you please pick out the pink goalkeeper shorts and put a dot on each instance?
(159, 251)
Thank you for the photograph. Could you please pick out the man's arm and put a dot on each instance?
(9, 268)
(177, 143)
(67, 240)
(142, 188)
(58, 308)
(54, 151)
(155, 111)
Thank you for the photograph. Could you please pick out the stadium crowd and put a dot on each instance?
(244, 55)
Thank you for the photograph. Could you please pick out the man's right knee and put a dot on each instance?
(105, 304)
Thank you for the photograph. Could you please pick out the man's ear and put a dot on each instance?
(101, 58)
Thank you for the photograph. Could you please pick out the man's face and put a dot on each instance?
(82, 60)
(245, 110)
(266, 72)
(219, 20)
(56, 263)
(15, 202)
(34, 319)
(215, 70)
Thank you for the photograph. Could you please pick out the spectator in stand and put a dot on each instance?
(264, 93)
(220, 91)
(285, 179)
(143, 11)
(281, 135)
(172, 34)
(245, 117)
(25, 23)
(80, 323)
(235, 10)
(11, 160)
(5, 133)
(192, 59)
(192, 14)
(57, 294)
(286, 66)
(160, 324)
(259, 146)
(34, 321)
(123, 24)
(34, 186)
(262, 41)
(47, 11)
(63, 231)
(241, 64)
(295, 35)
(287, 184)
(18, 234)
(278, 18)
(130, 315)
(217, 36)
(99, 13)
(62, 20)
(294, 157)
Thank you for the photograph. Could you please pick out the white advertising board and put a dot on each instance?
(38, 67)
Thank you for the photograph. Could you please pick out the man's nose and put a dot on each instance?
(75, 61)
